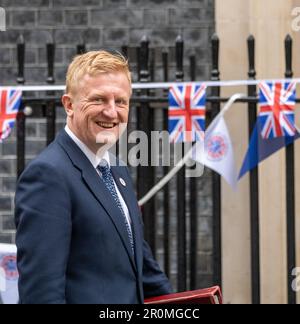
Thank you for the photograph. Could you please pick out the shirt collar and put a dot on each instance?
(93, 158)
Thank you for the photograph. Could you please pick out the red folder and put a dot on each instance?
(203, 296)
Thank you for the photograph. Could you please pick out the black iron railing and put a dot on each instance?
(148, 100)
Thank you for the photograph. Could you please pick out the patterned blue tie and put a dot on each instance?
(107, 178)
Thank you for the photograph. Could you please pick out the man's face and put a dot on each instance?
(98, 111)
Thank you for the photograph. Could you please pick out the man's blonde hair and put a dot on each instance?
(94, 63)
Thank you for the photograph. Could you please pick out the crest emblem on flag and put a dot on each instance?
(9, 264)
(277, 104)
(217, 147)
(10, 101)
(187, 113)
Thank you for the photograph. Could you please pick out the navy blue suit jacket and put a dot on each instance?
(72, 242)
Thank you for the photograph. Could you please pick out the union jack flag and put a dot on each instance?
(10, 101)
(277, 104)
(187, 113)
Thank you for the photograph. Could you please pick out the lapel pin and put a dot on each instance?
(123, 183)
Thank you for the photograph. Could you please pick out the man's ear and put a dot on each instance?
(68, 105)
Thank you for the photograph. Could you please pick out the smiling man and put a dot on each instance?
(79, 228)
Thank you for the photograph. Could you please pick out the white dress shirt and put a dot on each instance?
(95, 160)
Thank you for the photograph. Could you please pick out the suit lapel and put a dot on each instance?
(97, 187)
(102, 194)
(123, 182)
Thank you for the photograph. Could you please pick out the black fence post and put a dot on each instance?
(254, 187)
(124, 51)
(146, 174)
(181, 190)
(50, 109)
(290, 189)
(152, 169)
(217, 238)
(81, 49)
(120, 143)
(193, 207)
(21, 59)
(165, 60)
(152, 67)
(20, 122)
(138, 64)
